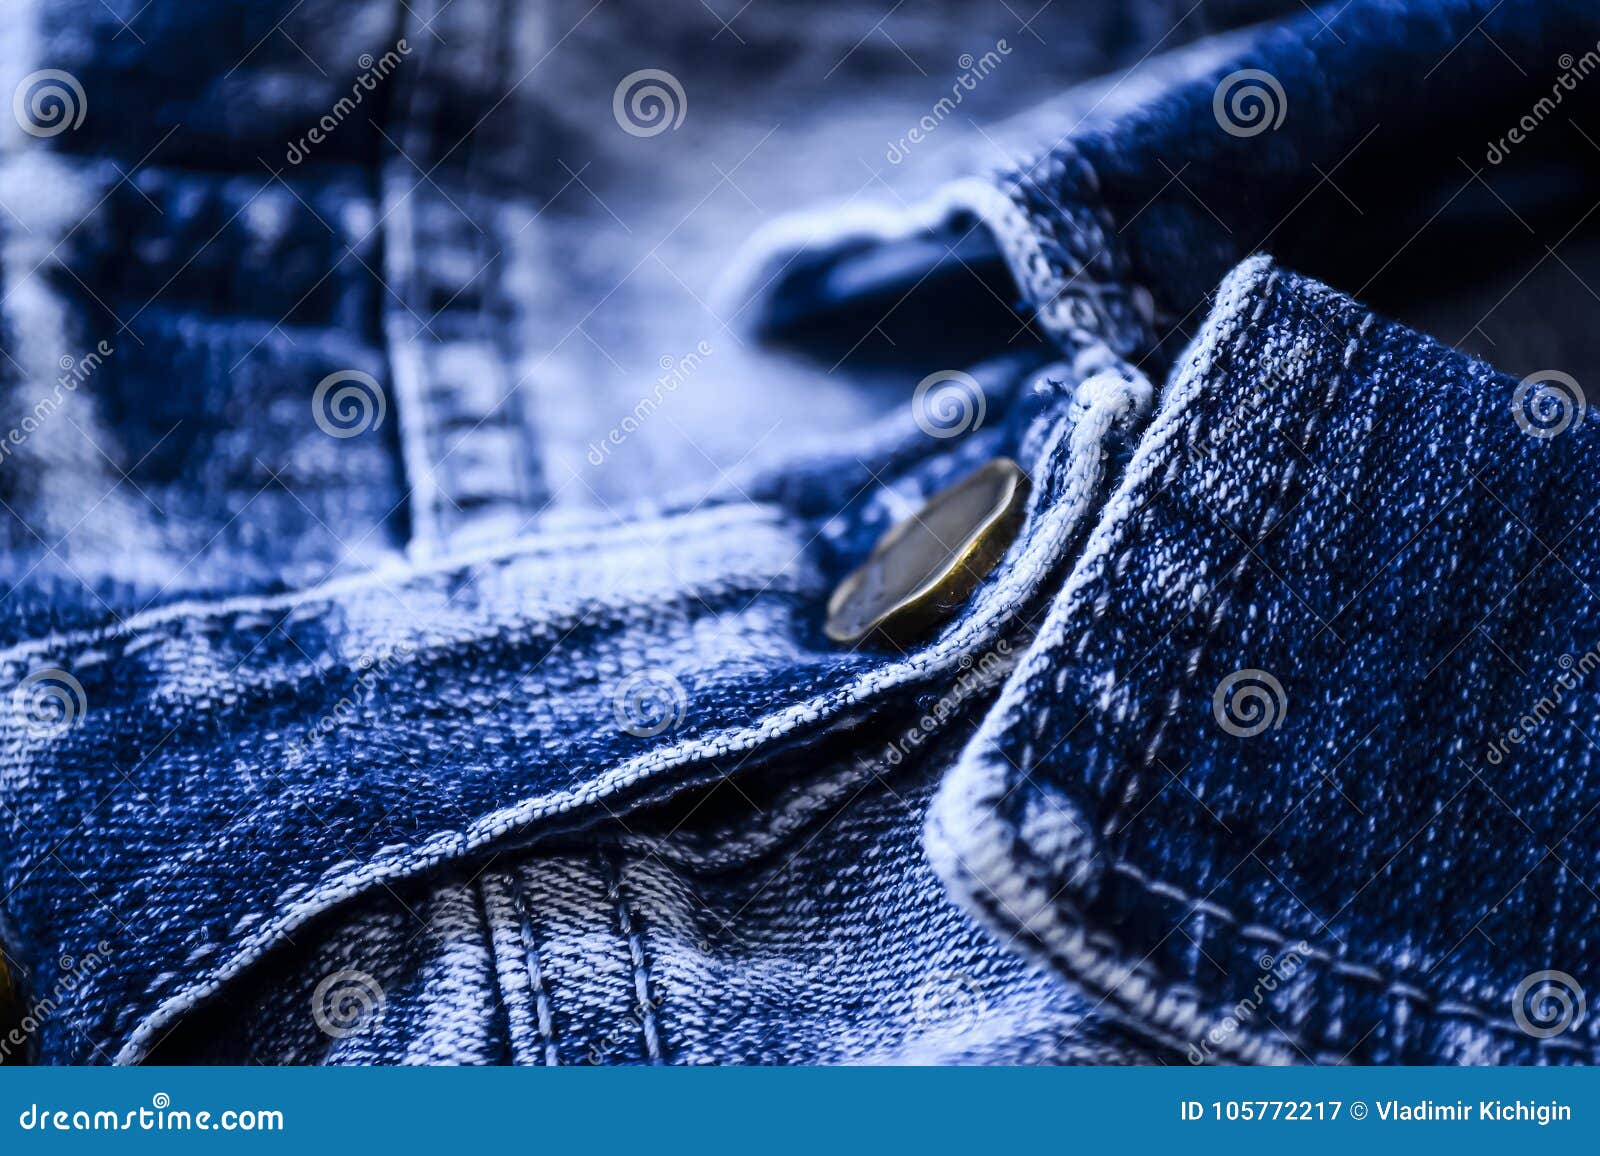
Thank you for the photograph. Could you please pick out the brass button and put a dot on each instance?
(923, 570)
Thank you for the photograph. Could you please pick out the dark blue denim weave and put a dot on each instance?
(350, 706)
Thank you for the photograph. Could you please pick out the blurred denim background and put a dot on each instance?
(478, 222)
(232, 232)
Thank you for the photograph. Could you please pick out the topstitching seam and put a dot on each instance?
(1393, 988)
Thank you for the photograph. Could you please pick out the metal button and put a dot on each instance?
(923, 570)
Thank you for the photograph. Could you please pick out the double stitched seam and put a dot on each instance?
(531, 484)
(1347, 972)
(469, 181)
(476, 185)
(1009, 808)
(1392, 986)
(480, 903)
(636, 960)
(1127, 790)
(414, 424)
(544, 1013)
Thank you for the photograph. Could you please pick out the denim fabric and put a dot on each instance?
(443, 743)
(1264, 717)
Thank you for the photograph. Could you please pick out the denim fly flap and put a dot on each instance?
(257, 761)
(280, 671)
(1298, 766)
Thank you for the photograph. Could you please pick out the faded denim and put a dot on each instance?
(399, 747)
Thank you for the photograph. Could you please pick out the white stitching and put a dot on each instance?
(1392, 986)
(636, 958)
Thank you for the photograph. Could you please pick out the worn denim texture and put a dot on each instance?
(439, 743)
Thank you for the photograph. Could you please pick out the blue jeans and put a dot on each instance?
(386, 690)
